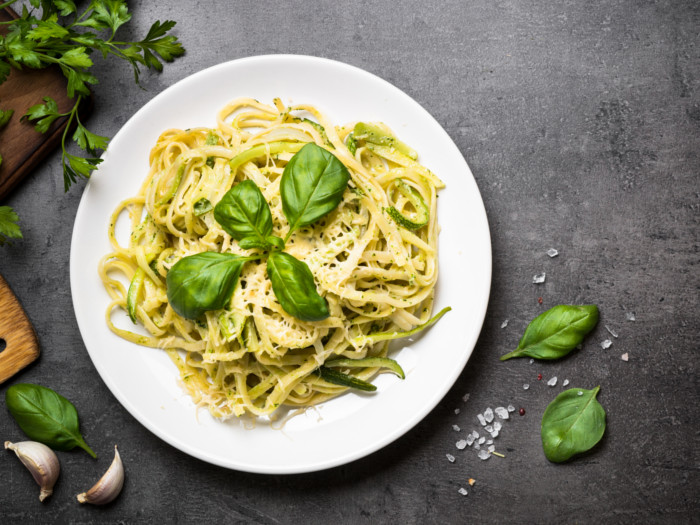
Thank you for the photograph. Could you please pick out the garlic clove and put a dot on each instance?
(41, 461)
(109, 486)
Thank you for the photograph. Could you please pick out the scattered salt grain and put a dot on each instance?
(462, 491)
(461, 444)
(470, 440)
(625, 357)
(465, 398)
(552, 252)
(539, 279)
(497, 426)
(504, 323)
(552, 382)
(456, 428)
(488, 415)
(489, 442)
(488, 428)
(481, 419)
(484, 454)
(492, 448)
(630, 316)
(450, 458)
(457, 411)
(612, 332)
(532, 361)
(566, 382)
(476, 446)
(580, 393)
(501, 412)
(511, 408)
(526, 386)
(482, 439)
(606, 344)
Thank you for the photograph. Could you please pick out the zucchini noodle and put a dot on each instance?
(376, 274)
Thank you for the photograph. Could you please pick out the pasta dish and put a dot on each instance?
(275, 256)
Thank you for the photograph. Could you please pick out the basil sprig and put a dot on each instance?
(46, 416)
(202, 282)
(245, 215)
(294, 287)
(573, 423)
(556, 332)
(312, 186)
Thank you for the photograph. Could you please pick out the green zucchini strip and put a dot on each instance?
(173, 189)
(133, 293)
(376, 135)
(422, 215)
(368, 362)
(338, 378)
(262, 150)
(384, 336)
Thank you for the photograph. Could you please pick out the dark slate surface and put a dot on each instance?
(581, 123)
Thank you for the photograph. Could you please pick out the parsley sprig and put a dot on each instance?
(64, 37)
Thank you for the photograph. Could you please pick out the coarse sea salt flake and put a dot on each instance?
(606, 344)
(532, 361)
(482, 440)
(497, 425)
(511, 408)
(526, 386)
(630, 316)
(552, 252)
(504, 323)
(456, 428)
(488, 428)
(625, 357)
(492, 448)
(566, 382)
(489, 442)
(450, 458)
(539, 279)
(501, 412)
(462, 491)
(484, 454)
(612, 332)
(465, 398)
(488, 415)
(470, 440)
(476, 446)
(461, 444)
(580, 393)
(481, 419)
(552, 382)
(457, 411)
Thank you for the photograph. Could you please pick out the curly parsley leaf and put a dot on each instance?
(9, 229)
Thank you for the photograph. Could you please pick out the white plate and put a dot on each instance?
(347, 428)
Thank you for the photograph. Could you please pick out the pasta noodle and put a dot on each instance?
(374, 264)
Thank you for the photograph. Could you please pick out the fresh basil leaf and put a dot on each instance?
(573, 423)
(294, 287)
(556, 332)
(202, 206)
(338, 378)
(312, 185)
(46, 416)
(244, 212)
(249, 243)
(275, 242)
(202, 282)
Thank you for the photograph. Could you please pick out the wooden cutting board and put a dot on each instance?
(17, 333)
(21, 146)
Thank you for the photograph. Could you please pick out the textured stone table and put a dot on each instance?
(581, 123)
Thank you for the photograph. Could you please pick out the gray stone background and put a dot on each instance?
(581, 123)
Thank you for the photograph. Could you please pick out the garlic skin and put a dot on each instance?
(109, 486)
(41, 461)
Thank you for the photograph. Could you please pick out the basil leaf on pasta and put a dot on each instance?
(244, 212)
(294, 287)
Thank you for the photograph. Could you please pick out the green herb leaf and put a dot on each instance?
(5, 116)
(351, 143)
(312, 185)
(202, 282)
(46, 416)
(243, 212)
(556, 332)
(573, 423)
(294, 287)
(89, 141)
(338, 378)
(108, 14)
(44, 114)
(46, 30)
(211, 140)
(9, 227)
(76, 57)
(5, 69)
(202, 206)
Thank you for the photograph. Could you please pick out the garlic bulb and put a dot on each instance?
(41, 461)
(109, 486)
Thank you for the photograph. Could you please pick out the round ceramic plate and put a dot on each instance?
(145, 381)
